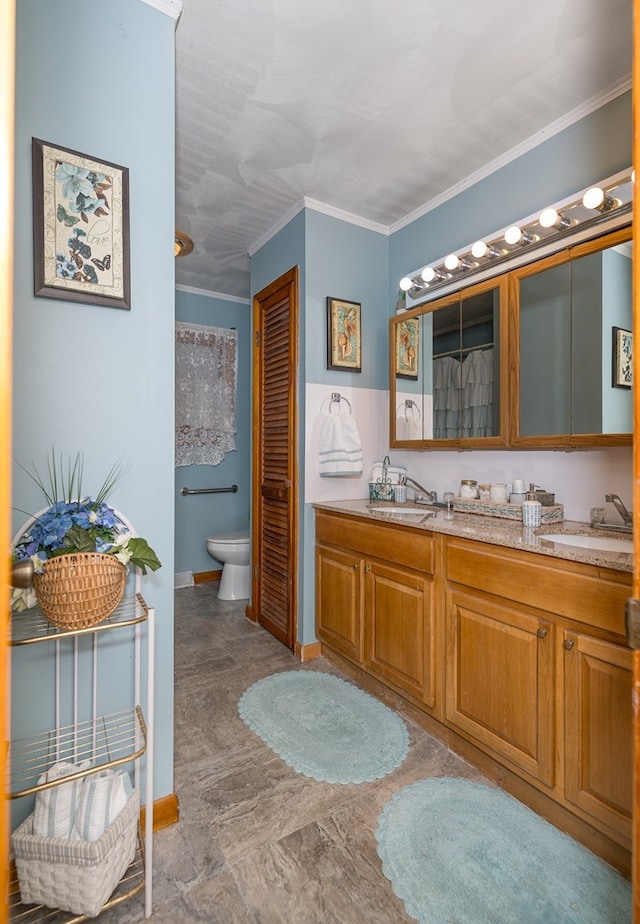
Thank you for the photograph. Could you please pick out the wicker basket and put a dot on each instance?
(77, 591)
(73, 875)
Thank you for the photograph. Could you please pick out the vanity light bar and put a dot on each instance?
(546, 232)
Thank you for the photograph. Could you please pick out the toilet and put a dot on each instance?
(233, 549)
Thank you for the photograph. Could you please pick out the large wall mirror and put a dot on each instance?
(567, 310)
(455, 395)
(527, 359)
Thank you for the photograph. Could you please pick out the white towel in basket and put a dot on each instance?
(339, 449)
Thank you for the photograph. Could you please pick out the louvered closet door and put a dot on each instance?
(274, 432)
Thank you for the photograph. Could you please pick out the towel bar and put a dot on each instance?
(231, 490)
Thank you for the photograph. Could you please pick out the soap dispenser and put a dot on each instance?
(531, 508)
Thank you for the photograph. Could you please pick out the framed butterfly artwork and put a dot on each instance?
(80, 227)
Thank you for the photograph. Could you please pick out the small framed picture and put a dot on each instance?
(344, 341)
(622, 358)
(80, 227)
(407, 348)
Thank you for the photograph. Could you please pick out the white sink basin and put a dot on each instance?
(403, 511)
(599, 543)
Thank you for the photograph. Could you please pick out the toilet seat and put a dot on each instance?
(233, 538)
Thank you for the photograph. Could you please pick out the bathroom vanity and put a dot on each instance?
(510, 647)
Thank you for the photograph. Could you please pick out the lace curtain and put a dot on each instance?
(206, 382)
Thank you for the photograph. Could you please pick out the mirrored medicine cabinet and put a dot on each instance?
(528, 359)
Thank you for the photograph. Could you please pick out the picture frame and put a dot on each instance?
(407, 348)
(80, 227)
(344, 337)
(622, 363)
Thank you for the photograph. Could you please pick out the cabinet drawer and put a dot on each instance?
(402, 545)
(579, 592)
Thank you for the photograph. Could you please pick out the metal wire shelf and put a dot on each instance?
(106, 741)
(31, 626)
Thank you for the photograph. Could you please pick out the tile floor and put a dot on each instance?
(258, 843)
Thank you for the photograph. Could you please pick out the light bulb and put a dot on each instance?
(452, 262)
(428, 274)
(513, 234)
(593, 198)
(549, 218)
(406, 284)
(479, 249)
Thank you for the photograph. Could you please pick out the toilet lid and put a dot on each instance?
(234, 538)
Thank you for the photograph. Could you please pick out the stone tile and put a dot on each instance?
(258, 843)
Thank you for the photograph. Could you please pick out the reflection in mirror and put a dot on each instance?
(567, 316)
(466, 381)
(409, 379)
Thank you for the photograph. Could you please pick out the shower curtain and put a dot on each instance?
(206, 383)
(463, 395)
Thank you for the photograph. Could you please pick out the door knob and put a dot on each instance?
(22, 573)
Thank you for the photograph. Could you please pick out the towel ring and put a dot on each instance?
(410, 405)
(336, 398)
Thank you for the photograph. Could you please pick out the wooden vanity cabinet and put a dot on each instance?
(501, 681)
(598, 762)
(339, 600)
(538, 674)
(375, 601)
(519, 660)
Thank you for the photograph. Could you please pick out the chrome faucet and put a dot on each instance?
(627, 517)
(421, 495)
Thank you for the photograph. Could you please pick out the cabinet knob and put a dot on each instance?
(542, 633)
(569, 643)
(356, 566)
(367, 569)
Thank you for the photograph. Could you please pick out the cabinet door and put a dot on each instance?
(598, 729)
(339, 600)
(399, 629)
(500, 681)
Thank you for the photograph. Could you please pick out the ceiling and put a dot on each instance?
(372, 107)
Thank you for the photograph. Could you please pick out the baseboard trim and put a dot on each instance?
(202, 577)
(308, 652)
(166, 812)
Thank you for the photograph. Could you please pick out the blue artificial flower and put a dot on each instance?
(75, 180)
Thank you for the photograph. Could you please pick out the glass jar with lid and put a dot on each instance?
(469, 489)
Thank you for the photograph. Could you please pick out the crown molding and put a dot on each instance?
(565, 121)
(279, 225)
(554, 128)
(208, 294)
(315, 206)
(172, 8)
(334, 212)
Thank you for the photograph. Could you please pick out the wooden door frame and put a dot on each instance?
(289, 279)
(635, 159)
(7, 109)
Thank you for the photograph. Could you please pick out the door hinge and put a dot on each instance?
(257, 338)
(632, 617)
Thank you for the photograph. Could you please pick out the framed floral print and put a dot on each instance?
(622, 372)
(344, 341)
(80, 227)
(407, 348)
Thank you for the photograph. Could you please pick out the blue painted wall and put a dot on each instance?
(591, 149)
(95, 378)
(198, 516)
(345, 261)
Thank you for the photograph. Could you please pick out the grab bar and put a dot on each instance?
(232, 490)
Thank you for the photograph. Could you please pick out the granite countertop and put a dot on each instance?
(509, 533)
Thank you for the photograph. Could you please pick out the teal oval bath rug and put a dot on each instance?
(324, 727)
(461, 852)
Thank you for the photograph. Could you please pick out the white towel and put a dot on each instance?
(339, 446)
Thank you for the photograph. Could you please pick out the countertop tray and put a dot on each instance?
(553, 514)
